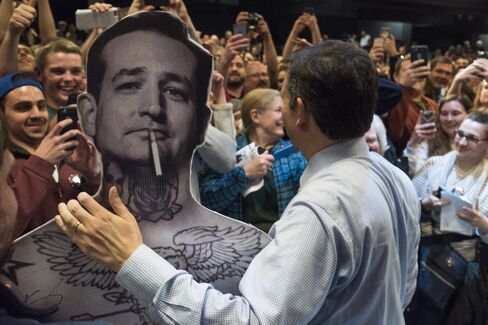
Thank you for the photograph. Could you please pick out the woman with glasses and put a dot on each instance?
(463, 171)
(436, 137)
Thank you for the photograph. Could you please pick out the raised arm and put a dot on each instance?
(6, 11)
(235, 45)
(270, 52)
(181, 11)
(21, 19)
(96, 7)
(47, 27)
(298, 26)
(313, 26)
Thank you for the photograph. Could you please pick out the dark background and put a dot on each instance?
(438, 23)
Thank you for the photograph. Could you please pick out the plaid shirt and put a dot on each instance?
(222, 192)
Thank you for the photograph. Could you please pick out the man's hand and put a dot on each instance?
(259, 166)
(413, 73)
(22, 18)
(109, 238)
(235, 45)
(218, 89)
(377, 54)
(55, 146)
(84, 159)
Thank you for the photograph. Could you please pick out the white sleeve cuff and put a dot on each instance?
(144, 273)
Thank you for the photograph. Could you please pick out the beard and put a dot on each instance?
(235, 83)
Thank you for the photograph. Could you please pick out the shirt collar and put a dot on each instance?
(326, 157)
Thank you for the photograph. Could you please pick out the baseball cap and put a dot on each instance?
(16, 80)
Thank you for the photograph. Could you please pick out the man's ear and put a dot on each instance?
(87, 110)
(302, 114)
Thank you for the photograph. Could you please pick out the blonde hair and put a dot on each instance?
(477, 100)
(59, 45)
(258, 99)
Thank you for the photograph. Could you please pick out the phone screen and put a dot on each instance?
(240, 29)
(420, 52)
(65, 112)
(427, 117)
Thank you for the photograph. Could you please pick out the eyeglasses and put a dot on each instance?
(471, 139)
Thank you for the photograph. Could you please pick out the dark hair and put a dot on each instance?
(480, 116)
(338, 84)
(165, 24)
(441, 60)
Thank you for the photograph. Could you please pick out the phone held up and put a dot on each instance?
(420, 52)
(426, 117)
(69, 111)
(87, 19)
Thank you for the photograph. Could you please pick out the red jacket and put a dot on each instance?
(38, 195)
(401, 120)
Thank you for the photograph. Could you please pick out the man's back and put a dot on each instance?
(362, 262)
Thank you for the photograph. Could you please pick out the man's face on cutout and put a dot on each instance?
(151, 86)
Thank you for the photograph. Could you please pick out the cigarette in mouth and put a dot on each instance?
(155, 154)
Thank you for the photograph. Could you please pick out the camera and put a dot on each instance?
(253, 20)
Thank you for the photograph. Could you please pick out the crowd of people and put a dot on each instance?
(286, 150)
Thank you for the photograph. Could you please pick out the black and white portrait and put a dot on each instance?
(146, 112)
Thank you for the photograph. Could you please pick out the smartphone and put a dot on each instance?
(385, 31)
(87, 19)
(71, 112)
(420, 52)
(426, 117)
(309, 10)
(240, 29)
(73, 97)
(157, 3)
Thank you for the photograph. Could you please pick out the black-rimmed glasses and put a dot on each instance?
(471, 139)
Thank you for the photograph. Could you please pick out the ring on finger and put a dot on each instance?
(75, 226)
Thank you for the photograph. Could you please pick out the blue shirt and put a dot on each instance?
(343, 252)
(222, 192)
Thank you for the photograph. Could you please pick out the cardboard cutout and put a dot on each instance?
(146, 112)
